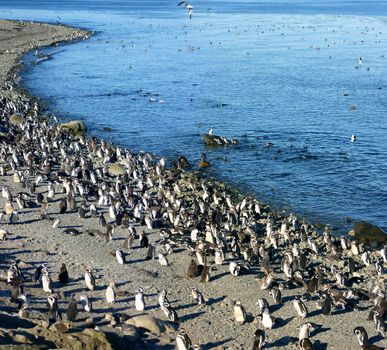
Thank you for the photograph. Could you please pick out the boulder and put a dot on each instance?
(152, 324)
(369, 234)
(116, 169)
(216, 140)
(60, 327)
(16, 119)
(76, 127)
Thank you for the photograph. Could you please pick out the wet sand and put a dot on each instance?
(34, 241)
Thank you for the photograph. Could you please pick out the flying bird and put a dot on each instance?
(189, 7)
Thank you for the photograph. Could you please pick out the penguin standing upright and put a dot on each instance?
(86, 303)
(72, 311)
(259, 339)
(139, 300)
(63, 276)
(53, 314)
(198, 297)
(89, 279)
(183, 342)
(300, 307)
(239, 313)
(46, 281)
(110, 293)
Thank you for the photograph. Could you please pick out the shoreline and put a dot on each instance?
(32, 240)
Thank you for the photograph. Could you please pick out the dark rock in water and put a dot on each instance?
(107, 129)
(182, 162)
(216, 140)
(368, 233)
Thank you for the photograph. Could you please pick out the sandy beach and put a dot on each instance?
(53, 166)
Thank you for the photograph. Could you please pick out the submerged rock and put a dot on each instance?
(368, 233)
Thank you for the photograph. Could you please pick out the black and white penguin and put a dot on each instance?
(89, 279)
(53, 314)
(86, 302)
(259, 339)
(300, 307)
(198, 297)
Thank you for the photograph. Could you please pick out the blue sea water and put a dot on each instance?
(284, 72)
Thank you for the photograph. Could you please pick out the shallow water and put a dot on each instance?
(279, 72)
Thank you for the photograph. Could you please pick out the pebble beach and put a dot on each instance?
(68, 198)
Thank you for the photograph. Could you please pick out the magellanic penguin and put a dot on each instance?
(306, 344)
(379, 323)
(46, 281)
(183, 342)
(266, 319)
(305, 330)
(89, 279)
(143, 240)
(276, 294)
(206, 274)
(56, 223)
(198, 297)
(139, 300)
(120, 257)
(163, 298)
(300, 307)
(163, 260)
(151, 252)
(192, 269)
(63, 276)
(169, 312)
(259, 339)
(110, 293)
(38, 272)
(239, 313)
(362, 338)
(85, 303)
(53, 314)
(72, 311)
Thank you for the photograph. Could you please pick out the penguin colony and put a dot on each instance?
(169, 212)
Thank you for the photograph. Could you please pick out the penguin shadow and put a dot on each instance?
(281, 322)
(319, 330)
(215, 344)
(64, 227)
(375, 339)
(186, 306)
(72, 282)
(341, 311)
(284, 341)
(190, 316)
(275, 307)
(315, 313)
(135, 261)
(317, 345)
(212, 301)
(214, 278)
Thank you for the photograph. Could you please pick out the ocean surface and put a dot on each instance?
(282, 73)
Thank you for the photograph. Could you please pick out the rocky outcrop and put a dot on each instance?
(215, 140)
(152, 324)
(76, 127)
(369, 234)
